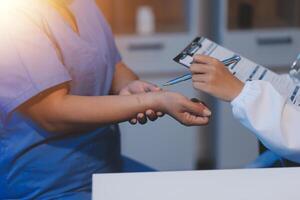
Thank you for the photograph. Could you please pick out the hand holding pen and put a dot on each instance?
(211, 76)
(226, 62)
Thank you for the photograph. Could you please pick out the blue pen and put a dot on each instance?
(178, 79)
(188, 76)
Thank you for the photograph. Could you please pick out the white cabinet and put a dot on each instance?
(266, 31)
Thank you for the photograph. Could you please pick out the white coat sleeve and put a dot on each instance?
(263, 110)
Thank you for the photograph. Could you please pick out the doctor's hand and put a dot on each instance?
(187, 112)
(212, 76)
(140, 87)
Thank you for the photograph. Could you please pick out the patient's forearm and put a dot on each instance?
(77, 112)
(59, 112)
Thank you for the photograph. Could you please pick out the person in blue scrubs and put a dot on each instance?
(63, 89)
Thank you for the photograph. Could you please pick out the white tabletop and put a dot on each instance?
(258, 184)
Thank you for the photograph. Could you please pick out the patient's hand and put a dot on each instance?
(139, 87)
(187, 112)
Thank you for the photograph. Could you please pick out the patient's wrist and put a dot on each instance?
(152, 100)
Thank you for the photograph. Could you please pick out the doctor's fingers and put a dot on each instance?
(200, 78)
(203, 59)
(203, 86)
(200, 68)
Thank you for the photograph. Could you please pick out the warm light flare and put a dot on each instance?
(5, 7)
(5, 4)
(11, 19)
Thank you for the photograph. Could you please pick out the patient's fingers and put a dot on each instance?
(151, 115)
(197, 109)
(195, 100)
(152, 88)
(142, 119)
(133, 121)
(192, 120)
(160, 114)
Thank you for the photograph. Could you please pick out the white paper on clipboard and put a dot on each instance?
(244, 70)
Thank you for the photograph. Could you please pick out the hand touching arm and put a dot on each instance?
(59, 112)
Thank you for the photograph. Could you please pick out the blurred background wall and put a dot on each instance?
(150, 33)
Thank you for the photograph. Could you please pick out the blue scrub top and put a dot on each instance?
(39, 50)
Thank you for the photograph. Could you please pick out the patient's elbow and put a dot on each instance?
(52, 127)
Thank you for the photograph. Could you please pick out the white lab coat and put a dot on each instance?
(264, 111)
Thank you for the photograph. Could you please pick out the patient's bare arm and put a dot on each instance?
(57, 111)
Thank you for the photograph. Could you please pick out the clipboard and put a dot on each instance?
(245, 69)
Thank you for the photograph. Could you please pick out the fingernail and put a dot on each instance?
(159, 114)
(133, 121)
(158, 88)
(195, 100)
(207, 112)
